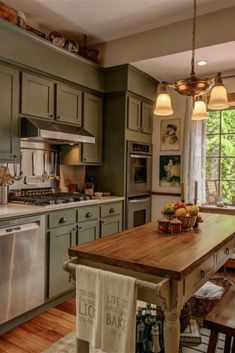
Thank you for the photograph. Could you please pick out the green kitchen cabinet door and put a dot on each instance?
(60, 240)
(88, 231)
(9, 114)
(37, 96)
(147, 118)
(68, 104)
(111, 225)
(92, 122)
(134, 114)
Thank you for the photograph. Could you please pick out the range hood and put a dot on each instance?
(37, 130)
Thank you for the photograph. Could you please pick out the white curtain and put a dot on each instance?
(194, 150)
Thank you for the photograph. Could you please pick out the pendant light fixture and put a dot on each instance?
(195, 86)
(199, 109)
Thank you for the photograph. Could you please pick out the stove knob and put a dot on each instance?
(71, 200)
(52, 202)
(59, 202)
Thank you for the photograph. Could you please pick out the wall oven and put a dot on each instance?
(139, 211)
(139, 168)
(139, 177)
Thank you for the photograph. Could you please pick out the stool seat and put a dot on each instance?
(222, 319)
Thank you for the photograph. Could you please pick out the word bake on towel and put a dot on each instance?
(106, 309)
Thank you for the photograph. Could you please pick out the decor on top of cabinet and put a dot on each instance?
(170, 135)
(8, 13)
(86, 52)
(56, 38)
(89, 184)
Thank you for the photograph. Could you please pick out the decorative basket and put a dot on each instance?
(202, 306)
(187, 222)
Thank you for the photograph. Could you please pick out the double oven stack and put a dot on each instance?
(139, 177)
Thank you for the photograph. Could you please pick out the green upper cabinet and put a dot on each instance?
(68, 104)
(92, 122)
(147, 117)
(139, 115)
(37, 96)
(9, 113)
(134, 114)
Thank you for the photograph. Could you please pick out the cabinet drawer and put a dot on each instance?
(111, 225)
(60, 218)
(199, 276)
(87, 213)
(225, 252)
(111, 209)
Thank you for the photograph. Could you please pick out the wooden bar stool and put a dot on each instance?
(222, 319)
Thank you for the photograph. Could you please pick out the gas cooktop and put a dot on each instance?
(45, 197)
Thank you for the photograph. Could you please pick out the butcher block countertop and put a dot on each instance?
(143, 249)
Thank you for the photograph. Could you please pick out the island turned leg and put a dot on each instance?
(82, 346)
(171, 332)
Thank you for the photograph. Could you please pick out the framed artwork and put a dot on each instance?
(169, 171)
(170, 134)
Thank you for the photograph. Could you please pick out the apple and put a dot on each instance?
(179, 205)
(193, 210)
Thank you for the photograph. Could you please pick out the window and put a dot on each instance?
(220, 155)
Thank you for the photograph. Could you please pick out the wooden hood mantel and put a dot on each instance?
(143, 249)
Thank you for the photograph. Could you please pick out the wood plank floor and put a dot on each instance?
(41, 332)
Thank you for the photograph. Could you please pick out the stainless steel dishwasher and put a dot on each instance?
(22, 266)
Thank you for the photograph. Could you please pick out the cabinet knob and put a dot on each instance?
(227, 251)
(203, 273)
(111, 210)
(14, 156)
(51, 115)
(63, 220)
(81, 228)
(89, 215)
(58, 117)
(84, 159)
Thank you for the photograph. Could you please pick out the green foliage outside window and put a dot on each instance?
(220, 153)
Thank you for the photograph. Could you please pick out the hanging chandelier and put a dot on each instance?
(194, 87)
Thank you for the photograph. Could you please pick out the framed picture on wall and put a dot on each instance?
(169, 171)
(170, 134)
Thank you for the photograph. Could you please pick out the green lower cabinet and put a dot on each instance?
(60, 239)
(110, 225)
(88, 231)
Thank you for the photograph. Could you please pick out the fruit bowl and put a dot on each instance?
(188, 222)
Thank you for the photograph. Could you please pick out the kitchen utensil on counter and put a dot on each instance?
(44, 174)
(3, 194)
(57, 177)
(33, 179)
(52, 169)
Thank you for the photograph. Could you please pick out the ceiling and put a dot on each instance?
(105, 20)
(108, 20)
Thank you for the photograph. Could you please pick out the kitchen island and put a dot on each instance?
(172, 266)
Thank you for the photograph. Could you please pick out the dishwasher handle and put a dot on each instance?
(18, 229)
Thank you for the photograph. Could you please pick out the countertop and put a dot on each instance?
(145, 250)
(16, 210)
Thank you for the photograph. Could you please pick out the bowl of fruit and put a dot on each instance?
(186, 213)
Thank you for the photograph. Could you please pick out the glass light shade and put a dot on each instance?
(218, 98)
(199, 111)
(163, 105)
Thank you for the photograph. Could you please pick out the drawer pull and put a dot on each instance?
(89, 215)
(203, 273)
(111, 210)
(63, 220)
(81, 228)
(227, 251)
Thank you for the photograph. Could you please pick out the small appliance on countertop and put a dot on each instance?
(45, 197)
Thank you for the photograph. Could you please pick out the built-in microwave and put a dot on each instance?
(139, 168)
